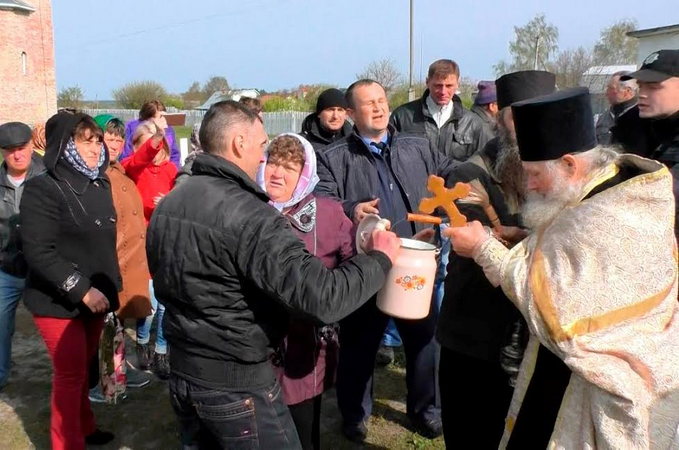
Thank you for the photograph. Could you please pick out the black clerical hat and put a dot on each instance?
(554, 125)
(519, 86)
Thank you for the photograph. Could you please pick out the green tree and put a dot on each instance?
(277, 104)
(468, 88)
(535, 40)
(133, 95)
(71, 97)
(399, 95)
(384, 72)
(214, 84)
(173, 101)
(614, 46)
(313, 93)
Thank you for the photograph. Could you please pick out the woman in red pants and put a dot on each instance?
(68, 230)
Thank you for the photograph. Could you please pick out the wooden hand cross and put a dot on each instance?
(445, 198)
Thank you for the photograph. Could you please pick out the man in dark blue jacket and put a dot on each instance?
(376, 170)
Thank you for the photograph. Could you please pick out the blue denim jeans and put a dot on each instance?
(391, 337)
(248, 418)
(11, 289)
(144, 325)
(442, 269)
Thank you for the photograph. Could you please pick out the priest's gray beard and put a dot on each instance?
(508, 168)
(539, 210)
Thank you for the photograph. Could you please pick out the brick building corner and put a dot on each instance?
(28, 90)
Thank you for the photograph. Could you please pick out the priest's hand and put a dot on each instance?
(466, 239)
(512, 235)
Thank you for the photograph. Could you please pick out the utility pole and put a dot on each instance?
(411, 89)
(537, 52)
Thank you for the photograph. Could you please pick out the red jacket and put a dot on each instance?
(152, 181)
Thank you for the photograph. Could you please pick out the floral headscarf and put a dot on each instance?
(308, 179)
(74, 159)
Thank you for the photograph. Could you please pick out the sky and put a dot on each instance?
(278, 44)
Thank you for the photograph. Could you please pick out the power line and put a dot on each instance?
(162, 27)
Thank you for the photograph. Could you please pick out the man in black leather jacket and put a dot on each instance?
(658, 80)
(440, 116)
(19, 164)
(230, 271)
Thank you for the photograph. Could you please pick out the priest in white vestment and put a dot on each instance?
(596, 281)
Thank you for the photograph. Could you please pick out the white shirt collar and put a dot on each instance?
(441, 114)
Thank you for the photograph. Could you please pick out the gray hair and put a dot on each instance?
(596, 159)
(219, 121)
(627, 84)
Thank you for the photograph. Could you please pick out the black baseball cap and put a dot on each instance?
(14, 134)
(657, 67)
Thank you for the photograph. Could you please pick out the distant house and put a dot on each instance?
(596, 78)
(654, 39)
(233, 94)
(236, 94)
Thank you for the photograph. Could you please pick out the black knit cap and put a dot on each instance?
(519, 86)
(554, 125)
(330, 98)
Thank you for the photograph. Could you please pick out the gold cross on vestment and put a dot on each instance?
(445, 198)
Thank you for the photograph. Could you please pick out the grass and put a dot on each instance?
(183, 132)
(145, 419)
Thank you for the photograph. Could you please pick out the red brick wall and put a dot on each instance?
(32, 97)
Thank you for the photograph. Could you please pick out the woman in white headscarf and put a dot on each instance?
(307, 359)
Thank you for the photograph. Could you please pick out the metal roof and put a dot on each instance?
(654, 31)
(16, 4)
(214, 98)
(609, 70)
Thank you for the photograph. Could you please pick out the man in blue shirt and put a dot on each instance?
(381, 171)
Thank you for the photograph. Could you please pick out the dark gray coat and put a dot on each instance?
(12, 260)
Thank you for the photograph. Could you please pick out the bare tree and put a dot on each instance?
(570, 66)
(71, 97)
(534, 45)
(215, 84)
(384, 72)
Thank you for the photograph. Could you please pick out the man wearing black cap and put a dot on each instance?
(328, 124)
(476, 318)
(596, 281)
(658, 80)
(19, 164)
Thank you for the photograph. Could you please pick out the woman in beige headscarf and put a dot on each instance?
(39, 141)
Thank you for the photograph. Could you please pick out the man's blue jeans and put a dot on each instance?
(11, 290)
(144, 325)
(212, 418)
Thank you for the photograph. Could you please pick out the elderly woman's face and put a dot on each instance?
(89, 147)
(281, 179)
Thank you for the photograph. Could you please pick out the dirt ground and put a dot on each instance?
(145, 420)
